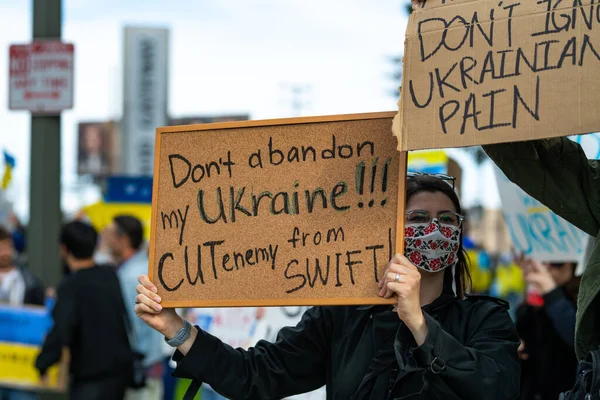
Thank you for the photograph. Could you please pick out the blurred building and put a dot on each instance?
(207, 119)
(145, 95)
(488, 230)
(99, 152)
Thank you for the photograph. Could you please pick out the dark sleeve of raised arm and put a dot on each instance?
(557, 173)
(295, 363)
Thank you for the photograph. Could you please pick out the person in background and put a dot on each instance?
(546, 327)
(90, 319)
(558, 174)
(18, 286)
(18, 234)
(125, 239)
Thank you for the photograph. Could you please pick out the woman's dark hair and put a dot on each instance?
(432, 184)
(132, 228)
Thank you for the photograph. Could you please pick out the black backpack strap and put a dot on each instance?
(587, 385)
(191, 391)
(594, 358)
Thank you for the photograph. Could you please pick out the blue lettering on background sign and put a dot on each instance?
(24, 325)
(533, 228)
(543, 232)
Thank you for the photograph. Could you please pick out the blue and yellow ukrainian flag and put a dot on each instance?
(9, 165)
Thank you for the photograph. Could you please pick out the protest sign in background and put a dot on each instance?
(22, 332)
(535, 230)
(428, 161)
(284, 212)
(102, 214)
(480, 72)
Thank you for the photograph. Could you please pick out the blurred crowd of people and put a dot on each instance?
(543, 299)
(113, 354)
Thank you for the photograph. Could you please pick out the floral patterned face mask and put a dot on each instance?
(432, 247)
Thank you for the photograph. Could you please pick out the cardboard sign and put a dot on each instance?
(284, 212)
(536, 231)
(486, 71)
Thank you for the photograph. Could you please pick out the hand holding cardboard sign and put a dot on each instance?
(418, 3)
(403, 280)
(148, 308)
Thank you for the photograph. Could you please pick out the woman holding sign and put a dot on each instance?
(436, 343)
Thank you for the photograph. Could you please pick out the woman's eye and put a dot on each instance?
(448, 219)
(419, 218)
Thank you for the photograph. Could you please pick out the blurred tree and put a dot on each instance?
(396, 62)
(396, 75)
(479, 156)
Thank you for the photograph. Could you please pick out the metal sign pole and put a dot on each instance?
(45, 215)
(44, 208)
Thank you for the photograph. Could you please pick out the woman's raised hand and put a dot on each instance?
(149, 309)
(402, 279)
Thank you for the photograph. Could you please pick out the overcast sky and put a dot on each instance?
(227, 56)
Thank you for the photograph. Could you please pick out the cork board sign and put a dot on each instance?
(297, 211)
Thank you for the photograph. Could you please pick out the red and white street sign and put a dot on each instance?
(41, 77)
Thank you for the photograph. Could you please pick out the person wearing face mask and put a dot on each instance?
(435, 343)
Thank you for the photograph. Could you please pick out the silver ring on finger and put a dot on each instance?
(397, 278)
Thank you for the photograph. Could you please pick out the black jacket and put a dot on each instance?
(34, 290)
(367, 353)
(89, 318)
(548, 333)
